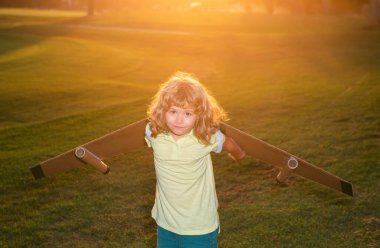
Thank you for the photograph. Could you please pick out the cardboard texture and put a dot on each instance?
(89, 158)
(279, 158)
(120, 141)
(131, 137)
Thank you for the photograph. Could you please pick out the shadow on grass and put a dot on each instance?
(31, 30)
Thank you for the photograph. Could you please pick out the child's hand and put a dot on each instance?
(235, 152)
(242, 155)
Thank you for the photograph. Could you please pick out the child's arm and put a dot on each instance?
(234, 150)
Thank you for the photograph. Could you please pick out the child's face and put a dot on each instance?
(180, 121)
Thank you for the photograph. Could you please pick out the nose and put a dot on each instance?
(179, 118)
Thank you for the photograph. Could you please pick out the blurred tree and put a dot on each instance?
(270, 6)
(298, 6)
(326, 7)
(31, 3)
(295, 6)
(247, 4)
(90, 7)
(374, 11)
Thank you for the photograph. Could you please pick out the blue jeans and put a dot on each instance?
(167, 239)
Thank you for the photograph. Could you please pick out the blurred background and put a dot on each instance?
(308, 7)
(303, 75)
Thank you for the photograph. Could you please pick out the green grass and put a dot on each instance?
(309, 85)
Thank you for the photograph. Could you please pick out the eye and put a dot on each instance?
(172, 111)
(188, 114)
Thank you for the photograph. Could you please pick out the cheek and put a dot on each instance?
(167, 117)
(192, 121)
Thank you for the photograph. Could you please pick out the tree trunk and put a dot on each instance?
(326, 7)
(374, 11)
(269, 6)
(247, 6)
(90, 8)
(298, 6)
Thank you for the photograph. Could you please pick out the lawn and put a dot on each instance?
(309, 85)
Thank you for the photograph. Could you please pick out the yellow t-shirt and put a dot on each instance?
(186, 201)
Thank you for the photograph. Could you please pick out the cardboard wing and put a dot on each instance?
(131, 137)
(286, 162)
(120, 141)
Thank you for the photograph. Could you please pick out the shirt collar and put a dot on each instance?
(189, 135)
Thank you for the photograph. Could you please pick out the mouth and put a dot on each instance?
(178, 127)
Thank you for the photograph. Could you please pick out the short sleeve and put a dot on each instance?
(217, 141)
(148, 134)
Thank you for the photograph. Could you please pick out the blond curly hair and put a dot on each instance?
(183, 90)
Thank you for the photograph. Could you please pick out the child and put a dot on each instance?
(183, 130)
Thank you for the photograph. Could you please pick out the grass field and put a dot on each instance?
(309, 85)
